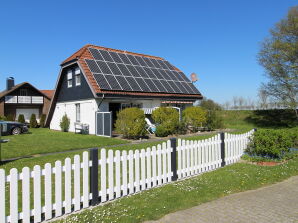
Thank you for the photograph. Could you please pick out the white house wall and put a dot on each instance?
(87, 109)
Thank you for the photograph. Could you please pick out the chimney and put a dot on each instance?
(9, 83)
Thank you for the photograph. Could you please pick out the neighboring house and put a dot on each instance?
(96, 82)
(24, 99)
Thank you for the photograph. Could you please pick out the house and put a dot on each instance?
(24, 99)
(96, 82)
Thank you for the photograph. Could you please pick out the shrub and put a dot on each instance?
(194, 117)
(131, 123)
(166, 117)
(2, 118)
(271, 143)
(42, 120)
(33, 121)
(214, 120)
(9, 117)
(161, 131)
(64, 123)
(21, 118)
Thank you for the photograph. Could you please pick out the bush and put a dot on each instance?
(42, 120)
(9, 117)
(33, 121)
(2, 118)
(168, 118)
(214, 120)
(271, 143)
(64, 123)
(194, 117)
(131, 123)
(162, 131)
(21, 118)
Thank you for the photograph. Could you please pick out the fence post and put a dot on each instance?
(174, 159)
(222, 149)
(94, 176)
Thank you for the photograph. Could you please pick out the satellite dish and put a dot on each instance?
(193, 77)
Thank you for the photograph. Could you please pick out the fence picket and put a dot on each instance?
(85, 179)
(48, 191)
(154, 166)
(58, 189)
(143, 169)
(164, 162)
(77, 183)
(103, 175)
(148, 156)
(25, 197)
(131, 171)
(111, 174)
(179, 158)
(124, 172)
(159, 173)
(68, 187)
(169, 150)
(137, 171)
(118, 179)
(37, 193)
(195, 145)
(183, 149)
(191, 147)
(2, 196)
(14, 195)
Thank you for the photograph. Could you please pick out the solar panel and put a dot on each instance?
(127, 72)
(102, 82)
(134, 85)
(113, 82)
(116, 57)
(123, 82)
(104, 67)
(106, 55)
(96, 54)
(124, 70)
(93, 66)
(124, 58)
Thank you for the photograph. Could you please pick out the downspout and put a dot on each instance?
(103, 96)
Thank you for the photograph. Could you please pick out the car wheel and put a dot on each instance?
(16, 131)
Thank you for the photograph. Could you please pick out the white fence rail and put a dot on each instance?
(42, 194)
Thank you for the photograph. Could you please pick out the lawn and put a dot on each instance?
(43, 140)
(155, 203)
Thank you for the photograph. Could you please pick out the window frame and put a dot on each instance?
(69, 78)
(78, 77)
(78, 112)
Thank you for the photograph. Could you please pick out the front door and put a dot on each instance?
(114, 108)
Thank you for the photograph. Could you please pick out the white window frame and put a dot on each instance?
(78, 112)
(78, 79)
(69, 78)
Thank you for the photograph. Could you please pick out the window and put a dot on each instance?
(69, 78)
(78, 76)
(23, 92)
(78, 113)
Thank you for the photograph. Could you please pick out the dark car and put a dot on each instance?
(13, 128)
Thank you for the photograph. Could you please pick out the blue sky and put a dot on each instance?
(218, 40)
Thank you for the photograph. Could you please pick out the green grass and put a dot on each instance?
(155, 203)
(237, 120)
(43, 140)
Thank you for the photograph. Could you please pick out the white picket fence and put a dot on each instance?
(60, 190)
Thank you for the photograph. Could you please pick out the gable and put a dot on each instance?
(73, 93)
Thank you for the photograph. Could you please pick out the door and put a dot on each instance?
(114, 108)
(103, 123)
(27, 112)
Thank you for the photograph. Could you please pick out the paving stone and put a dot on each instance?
(275, 203)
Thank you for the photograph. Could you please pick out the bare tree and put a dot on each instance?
(263, 99)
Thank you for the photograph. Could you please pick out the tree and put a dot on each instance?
(209, 104)
(33, 121)
(263, 98)
(279, 56)
(64, 123)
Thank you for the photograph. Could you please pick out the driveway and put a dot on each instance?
(275, 203)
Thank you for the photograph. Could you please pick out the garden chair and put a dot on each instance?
(151, 128)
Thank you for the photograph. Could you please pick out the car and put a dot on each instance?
(13, 128)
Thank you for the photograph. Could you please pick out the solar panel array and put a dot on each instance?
(126, 72)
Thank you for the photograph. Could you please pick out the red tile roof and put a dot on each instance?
(48, 93)
(84, 53)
